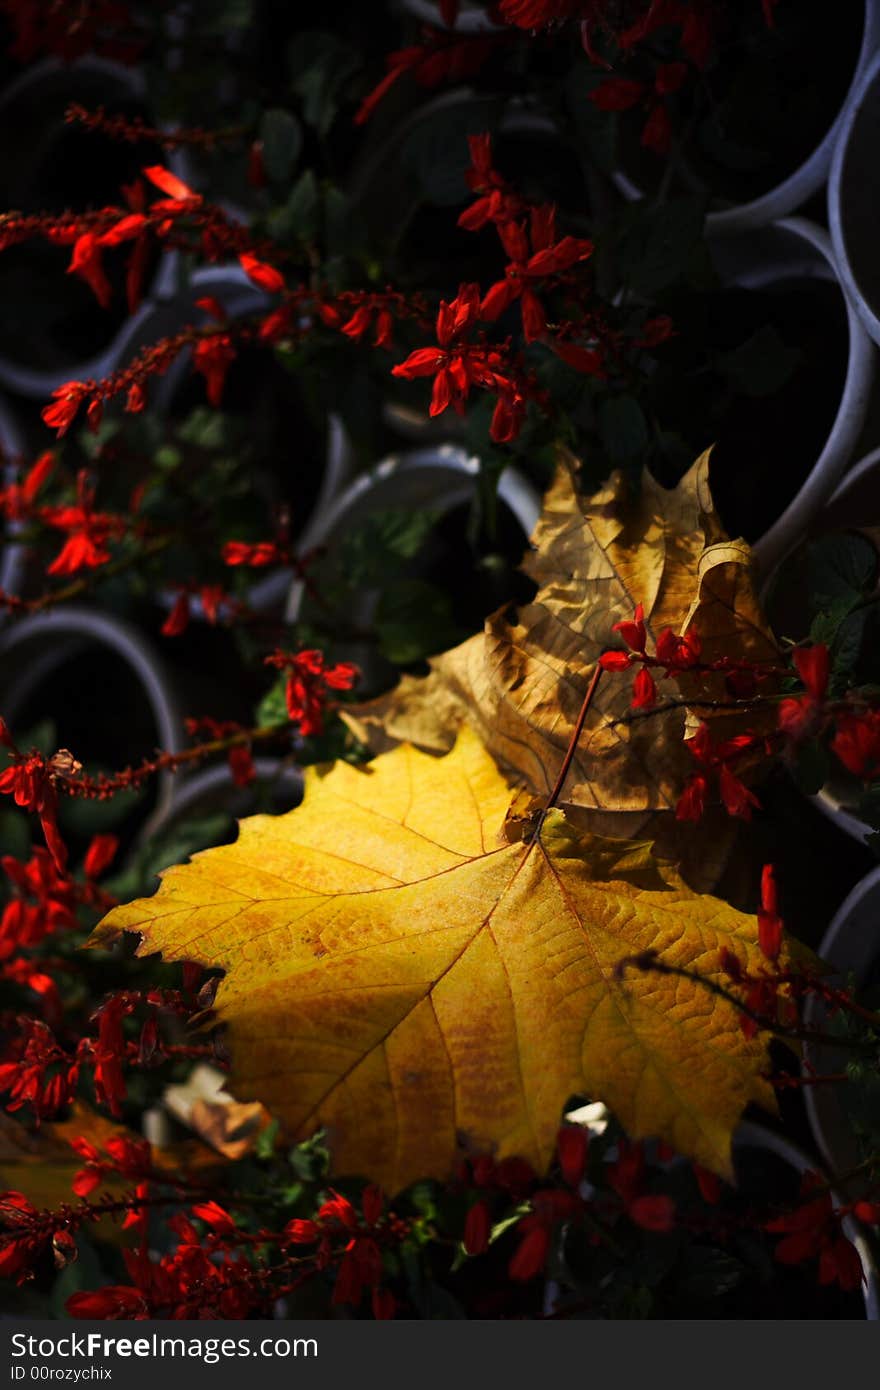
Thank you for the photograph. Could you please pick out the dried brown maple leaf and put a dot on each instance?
(521, 682)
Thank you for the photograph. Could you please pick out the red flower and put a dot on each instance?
(241, 765)
(531, 1255)
(813, 1230)
(113, 1302)
(497, 202)
(308, 684)
(477, 1228)
(100, 855)
(856, 743)
(633, 631)
(738, 800)
(178, 617)
(300, 1232)
(769, 922)
(572, 1144)
(546, 257)
(617, 94)
(17, 500)
(212, 356)
(66, 401)
(653, 1213)
(88, 531)
(439, 57)
(31, 781)
(266, 277)
(384, 1305)
(799, 714)
(457, 365)
(256, 556)
(644, 694)
(215, 1217)
(372, 1204)
(179, 195)
(537, 14)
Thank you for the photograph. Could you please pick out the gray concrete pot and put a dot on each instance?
(854, 198)
(804, 181)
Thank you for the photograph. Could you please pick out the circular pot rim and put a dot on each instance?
(826, 1116)
(514, 490)
(831, 462)
(753, 1134)
(868, 79)
(826, 799)
(190, 786)
(809, 176)
(126, 642)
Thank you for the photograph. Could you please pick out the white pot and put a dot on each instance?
(854, 198)
(851, 946)
(35, 649)
(798, 249)
(803, 182)
(91, 81)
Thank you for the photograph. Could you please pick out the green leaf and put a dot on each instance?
(221, 16)
(707, 1274)
(436, 150)
(622, 428)
(302, 208)
(378, 548)
(272, 709)
(827, 622)
(264, 1146)
(282, 139)
(413, 621)
(97, 817)
(310, 1160)
(841, 565)
(321, 66)
(760, 366)
(657, 243)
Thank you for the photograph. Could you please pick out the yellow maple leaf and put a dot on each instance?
(521, 682)
(398, 974)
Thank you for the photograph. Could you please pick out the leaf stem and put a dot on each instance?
(572, 748)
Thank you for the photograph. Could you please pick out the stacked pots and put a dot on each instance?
(52, 166)
(735, 212)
